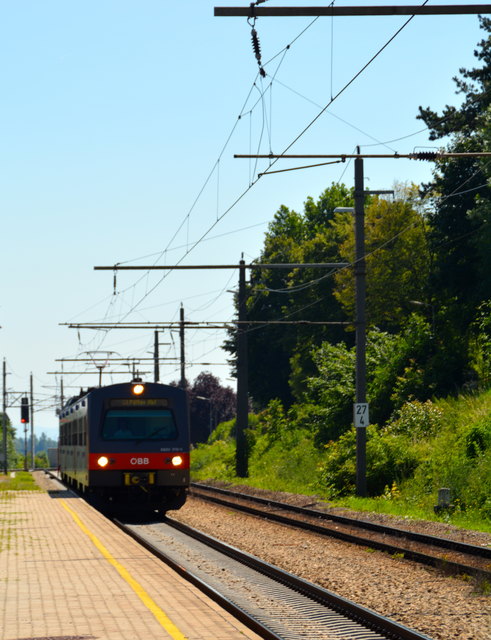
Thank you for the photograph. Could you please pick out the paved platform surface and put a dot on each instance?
(67, 573)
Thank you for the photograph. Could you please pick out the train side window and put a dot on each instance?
(80, 431)
(84, 425)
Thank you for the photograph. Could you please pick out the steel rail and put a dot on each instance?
(445, 543)
(424, 558)
(220, 599)
(212, 593)
(345, 607)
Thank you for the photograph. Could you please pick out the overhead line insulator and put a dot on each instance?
(425, 155)
(257, 51)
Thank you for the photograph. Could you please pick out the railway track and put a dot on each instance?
(285, 615)
(274, 603)
(447, 555)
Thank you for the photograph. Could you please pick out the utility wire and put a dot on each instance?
(348, 84)
(186, 218)
(237, 200)
(243, 193)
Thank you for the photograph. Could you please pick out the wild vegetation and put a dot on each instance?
(428, 341)
(18, 481)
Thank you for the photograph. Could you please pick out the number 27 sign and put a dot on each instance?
(360, 410)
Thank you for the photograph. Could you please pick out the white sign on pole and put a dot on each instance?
(360, 412)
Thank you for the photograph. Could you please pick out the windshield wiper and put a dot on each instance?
(150, 435)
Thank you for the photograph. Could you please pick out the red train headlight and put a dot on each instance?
(138, 389)
(103, 461)
(176, 461)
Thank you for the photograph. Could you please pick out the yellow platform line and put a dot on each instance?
(161, 617)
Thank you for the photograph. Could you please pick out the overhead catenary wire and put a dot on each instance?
(245, 191)
(224, 146)
(133, 306)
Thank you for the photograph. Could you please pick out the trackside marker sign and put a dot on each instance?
(360, 411)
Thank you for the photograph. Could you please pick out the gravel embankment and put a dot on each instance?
(444, 608)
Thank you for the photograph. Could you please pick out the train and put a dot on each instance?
(127, 445)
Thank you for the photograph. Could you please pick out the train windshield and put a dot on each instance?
(139, 424)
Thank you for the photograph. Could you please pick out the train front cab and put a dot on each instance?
(139, 446)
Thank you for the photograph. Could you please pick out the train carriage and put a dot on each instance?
(127, 445)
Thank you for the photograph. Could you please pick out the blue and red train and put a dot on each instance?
(127, 445)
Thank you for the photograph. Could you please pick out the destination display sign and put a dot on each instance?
(138, 402)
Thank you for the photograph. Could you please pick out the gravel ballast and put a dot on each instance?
(440, 606)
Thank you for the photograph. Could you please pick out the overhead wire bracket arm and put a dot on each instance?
(281, 265)
(422, 155)
(391, 10)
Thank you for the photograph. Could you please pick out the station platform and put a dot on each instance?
(68, 573)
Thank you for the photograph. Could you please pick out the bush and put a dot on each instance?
(337, 473)
(395, 374)
(223, 431)
(216, 460)
(389, 459)
(477, 439)
(288, 464)
(272, 422)
(417, 419)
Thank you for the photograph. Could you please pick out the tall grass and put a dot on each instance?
(455, 454)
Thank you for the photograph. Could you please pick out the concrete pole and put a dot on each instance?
(360, 323)
(241, 459)
(62, 395)
(156, 374)
(182, 382)
(4, 418)
(31, 386)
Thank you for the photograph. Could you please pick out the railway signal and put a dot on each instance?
(24, 410)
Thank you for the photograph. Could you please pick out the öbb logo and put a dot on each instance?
(139, 461)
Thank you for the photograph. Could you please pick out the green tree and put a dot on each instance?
(398, 260)
(11, 453)
(480, 344)
(460, 231)
(399, 368)
(280, 355)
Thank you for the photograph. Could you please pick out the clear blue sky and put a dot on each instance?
(113, 116)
